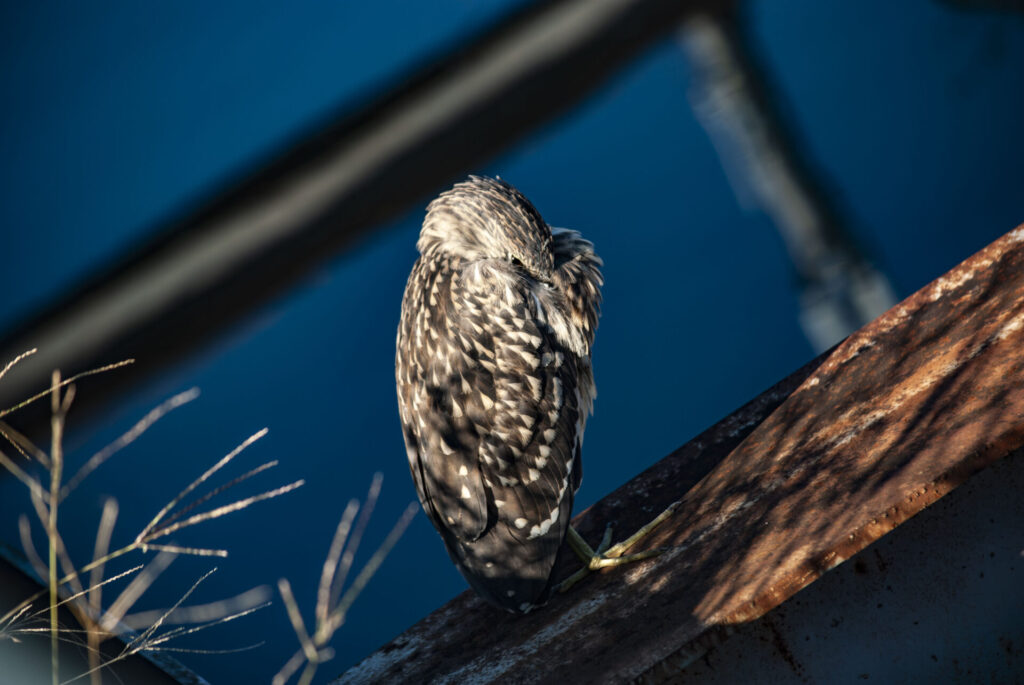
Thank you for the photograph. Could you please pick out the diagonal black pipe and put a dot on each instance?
(200, 274)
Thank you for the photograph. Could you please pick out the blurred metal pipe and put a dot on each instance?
(840, 289)
(200, 274)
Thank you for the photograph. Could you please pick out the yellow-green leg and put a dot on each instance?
(607, 554)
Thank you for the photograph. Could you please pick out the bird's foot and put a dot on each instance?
(607, 554)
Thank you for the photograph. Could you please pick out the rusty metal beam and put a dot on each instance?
(938, 599)
(734, 99)
(772, 497)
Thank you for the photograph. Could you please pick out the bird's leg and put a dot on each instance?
(607, 554)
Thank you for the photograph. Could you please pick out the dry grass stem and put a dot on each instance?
(288, 670)
(182, 631)
(17, 359)
(129, 437)
(24, 446)
(149, 641)
(339, 575)
(135, 589)
(337, 616)
(197, 482)
(216, 491)
(69, 381)
(219, 511)
(103, 534)
(11, 619)
(86, 604)
(71, 575)
(330, 612)
(295, 616)
(324, 593)
(187, 650)
(95, 600)
(59, 410)
(25, 532)
(202, 613)
(100, 584)
(192, 551)
(151, 631)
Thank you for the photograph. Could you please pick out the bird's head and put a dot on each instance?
(485, 218)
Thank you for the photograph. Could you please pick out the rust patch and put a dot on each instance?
(789, 486)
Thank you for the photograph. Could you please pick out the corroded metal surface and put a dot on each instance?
(813, 471)
(937, 600)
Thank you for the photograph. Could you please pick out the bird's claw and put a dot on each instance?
(607, 554)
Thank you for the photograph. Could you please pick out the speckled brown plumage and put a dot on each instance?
(495, 383)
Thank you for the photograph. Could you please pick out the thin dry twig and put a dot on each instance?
(182, 631)
(295, 616)
(154, 415)
(59, 408)
(10, 364)
(187, 650)
(150, 631)
(86, 603)
(112, 617)
(219, 511)
(330, 612)
(191, 551)
(340, 574)
(123, 574)
(197, 482)
(324, 594)
(149, 641)
(24, 446)
(103, 534)
(201, 613)
(94, 602)
(69, 381)
(71, 575)
(337, 617)
(25, 532)
(216, 491)
(11, 619)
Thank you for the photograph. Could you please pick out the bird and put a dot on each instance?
(495, 385)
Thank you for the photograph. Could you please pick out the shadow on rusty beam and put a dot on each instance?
(808, 474)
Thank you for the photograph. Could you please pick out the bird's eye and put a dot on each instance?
(515, 262)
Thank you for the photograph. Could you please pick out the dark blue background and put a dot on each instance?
(118, 115)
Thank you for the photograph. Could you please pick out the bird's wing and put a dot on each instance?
(435, 382)
(524, 406)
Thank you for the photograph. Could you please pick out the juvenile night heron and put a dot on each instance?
(495, 385)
